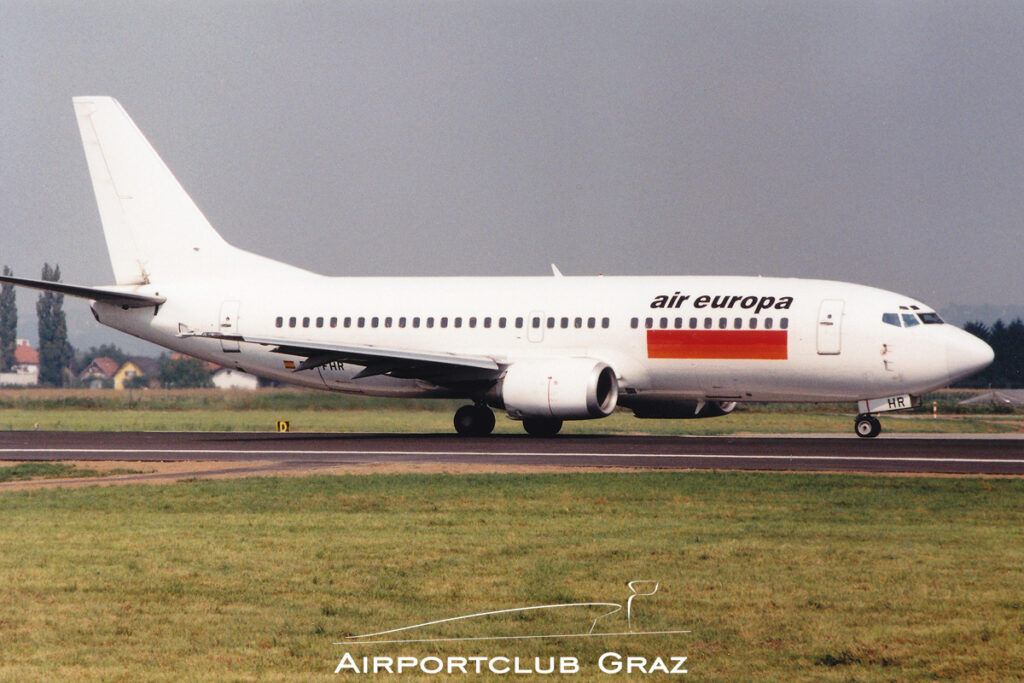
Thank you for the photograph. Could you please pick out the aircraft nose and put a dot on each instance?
(966, 355)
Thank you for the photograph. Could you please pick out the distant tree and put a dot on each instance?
(183, 373)
(8, 324)
(55, 353)
(1007, 341)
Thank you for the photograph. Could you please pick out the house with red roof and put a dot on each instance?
(25, 371)
(100, 373)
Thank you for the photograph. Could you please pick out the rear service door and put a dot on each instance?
(830, 323)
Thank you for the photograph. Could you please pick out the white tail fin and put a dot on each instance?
(154, 230)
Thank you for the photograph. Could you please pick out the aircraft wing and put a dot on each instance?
(375, 360)
(108, 295)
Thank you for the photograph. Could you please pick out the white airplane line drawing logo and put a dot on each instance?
(634, 593)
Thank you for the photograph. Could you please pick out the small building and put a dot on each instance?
(137, 372)
(99, 374)
(226, 378)
(25, 371)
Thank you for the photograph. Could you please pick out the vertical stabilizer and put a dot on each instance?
(154, 231)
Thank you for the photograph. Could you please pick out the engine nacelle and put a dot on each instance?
(567, 389)
(681, 410)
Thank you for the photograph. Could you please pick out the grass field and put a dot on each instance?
(310, 411)
(779, 577)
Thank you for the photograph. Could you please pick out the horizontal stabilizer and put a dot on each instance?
(110, 296)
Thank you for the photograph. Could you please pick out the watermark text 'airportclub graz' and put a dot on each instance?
(607, 663)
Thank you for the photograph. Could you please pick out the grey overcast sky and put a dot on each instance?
(876, 142)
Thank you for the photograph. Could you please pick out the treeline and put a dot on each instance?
(1007, 371)
(55, 352)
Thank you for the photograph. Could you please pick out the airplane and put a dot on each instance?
(542, 349)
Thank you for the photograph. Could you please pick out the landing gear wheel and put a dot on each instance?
(474, 420)
(541, 426)
(867, 426)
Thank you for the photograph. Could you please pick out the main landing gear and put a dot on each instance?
(542, 426)
(867, 426)
(478, 420)
(475, 420)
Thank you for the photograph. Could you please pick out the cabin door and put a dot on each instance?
(830, 324)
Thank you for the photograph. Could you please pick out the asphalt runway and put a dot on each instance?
(953, 454)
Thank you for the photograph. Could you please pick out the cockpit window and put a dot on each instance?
(909, 320)
(930, 318)
(891, 319)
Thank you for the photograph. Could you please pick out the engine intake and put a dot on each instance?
(568, 389)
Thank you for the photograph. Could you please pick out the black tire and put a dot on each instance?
(474, 421)
(542, 426)
(867, 426)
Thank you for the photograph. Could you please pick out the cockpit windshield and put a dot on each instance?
(911, 319)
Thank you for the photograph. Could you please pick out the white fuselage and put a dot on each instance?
(667, 338)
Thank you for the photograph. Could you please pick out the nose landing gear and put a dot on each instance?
(867, 426)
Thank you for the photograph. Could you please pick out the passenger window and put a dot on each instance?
(707, 323)
(723, 323)
(634, 323)
(565, 323)
(291, 321)
(536, 322)
(693, 323)
(664, 323)
(362, 322)
(605, 322)
(679, 323)
(767, 323)
(649, 323)
(348, 321)
(519, 323)
(551, 323)
(578, 323)
(784, 324)
(305, 321)
(387, 321)
(430, 321)
(334, 322)
(415, 323)
(472, 321)
(502, 322)
(458, 322)
(401, 322)
(738, 323)
(320, 321)
(753, 323)
(487, 323)
(279, 322)
(374, 322)
(444, 321)
(591, 323)
(891, 319)
(909, 320)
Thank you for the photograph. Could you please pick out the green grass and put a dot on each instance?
(53, 470)
(779, 577)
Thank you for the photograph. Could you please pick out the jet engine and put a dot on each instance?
(568, 389)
